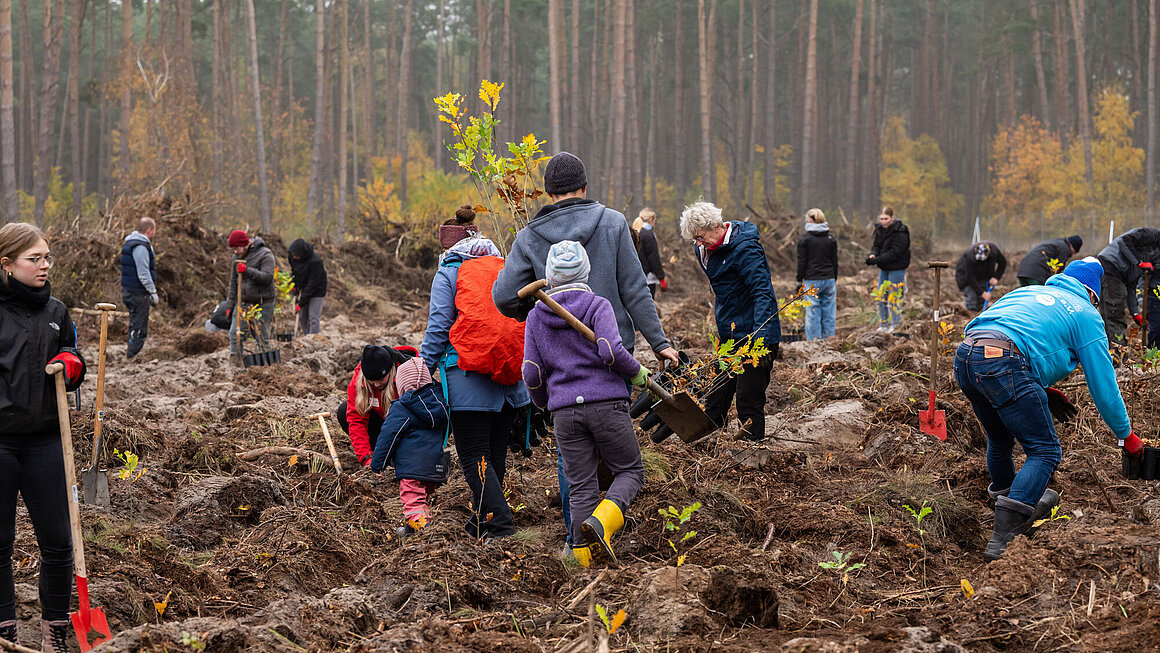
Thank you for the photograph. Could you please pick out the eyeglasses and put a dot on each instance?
(37, 260)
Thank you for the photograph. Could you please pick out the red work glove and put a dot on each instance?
(297, 308)
(664, 284)
(241, 266)
(1139, 319)
(1133, 444)
(1145, 265)
(73, 367)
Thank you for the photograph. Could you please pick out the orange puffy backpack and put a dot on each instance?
(487, 342)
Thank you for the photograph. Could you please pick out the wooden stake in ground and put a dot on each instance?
(329, 443)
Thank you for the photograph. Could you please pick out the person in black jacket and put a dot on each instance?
(35, 330)
(891, 253)
(650, 255)
(309, 285)
(1034, 269)
(978, 272)
(817, 257)
(1124, 261)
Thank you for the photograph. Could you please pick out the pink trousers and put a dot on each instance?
(414, 497)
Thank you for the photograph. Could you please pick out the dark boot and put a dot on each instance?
(8, 630)
(1012, 518)
(1043, 507)
(54, 636)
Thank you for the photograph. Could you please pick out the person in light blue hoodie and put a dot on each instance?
(1028, 340)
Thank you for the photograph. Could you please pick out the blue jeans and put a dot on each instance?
(821, 310)
(1011, 405)
(890, 315)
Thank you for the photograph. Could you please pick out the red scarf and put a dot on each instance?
(719, 241)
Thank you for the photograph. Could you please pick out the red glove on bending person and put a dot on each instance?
(664, 284)
(1133, 444)
(73, 367)
(241, 266)
(1145, 265)
(1139, 319)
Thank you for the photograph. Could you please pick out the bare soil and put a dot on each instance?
(205, 551)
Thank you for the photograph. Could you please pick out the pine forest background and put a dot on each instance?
(315, 118)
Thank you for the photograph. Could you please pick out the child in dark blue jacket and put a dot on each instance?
(412, 441)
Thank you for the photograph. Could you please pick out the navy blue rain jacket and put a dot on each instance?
(739, 274)
(412, 436)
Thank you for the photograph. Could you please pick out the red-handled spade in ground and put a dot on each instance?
(934, 421)
(89, 623)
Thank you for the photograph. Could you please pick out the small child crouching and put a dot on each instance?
(583, 385)
(412, 440)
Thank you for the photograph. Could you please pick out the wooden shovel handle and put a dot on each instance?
(70, 474)
(329, 441)
(99, 402)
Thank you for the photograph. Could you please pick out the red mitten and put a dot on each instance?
(1133, 443)
(664, 284)
(1139, 319)
(241, 266)
(1145, 265)
(73, 367)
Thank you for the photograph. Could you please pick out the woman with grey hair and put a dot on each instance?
(731, 255)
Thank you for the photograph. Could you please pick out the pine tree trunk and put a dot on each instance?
(404, 95)
(370, 145)
(679, 126)
(708, 179)
(73, 100)
(483, 39)
(754, 86)
(1078, 13)
(852, 126)
(770, 137)
(632, 108)
(126, 98)
(650, 158)
(870, 141)
(319, 117)
(277, 134)
(810, 109)
(1153, 43)
(50, 76)
(8, 204)
(555, 70)
(505, 111)
(108, 68)
(1037, 52)
(618, 186)
(87, 114)
(1064, 120)
(216, 99)
(737, 160)
(343, 114)
(26, 158)
(439, 89)
(575, 95)
(263, 189)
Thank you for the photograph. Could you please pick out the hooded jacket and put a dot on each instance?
(739, 274)
(817, 254)
(973, 273)
(1056, 327)
(561, 367)
(1034, 263)
(412, 436)
(138, 265)
(891, 247)
(34, 327)
(616, 270)
(465, 390)
(258, 279)
(358, 423)
(308, 272)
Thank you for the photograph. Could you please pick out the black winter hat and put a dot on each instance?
(564, 174)
(1076, 242)
(377, 361)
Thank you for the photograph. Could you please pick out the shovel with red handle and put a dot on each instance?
(89, 623)
(934, 421)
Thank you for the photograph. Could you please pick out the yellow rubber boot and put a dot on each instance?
(583, 555)
(601, 526)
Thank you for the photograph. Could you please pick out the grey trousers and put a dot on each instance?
(1113, 304)
(310, 317)
(585, 433)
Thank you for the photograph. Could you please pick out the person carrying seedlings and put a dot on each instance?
(891, 253)
(1010, 356)
(978, 272)
(1036, 266)
(370, 391)
(1124, 261)
(255, 262)
(745, 307)
(35, 330)
(309, 285)
(650, 255)
(411, 440)
(583, 385)
(817, 267)
(477, 353)
(139, 281)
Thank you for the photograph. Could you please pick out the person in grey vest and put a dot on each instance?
(139, 281)
(1124, 260)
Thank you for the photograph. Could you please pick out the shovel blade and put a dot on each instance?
(933, 422)
(91, 627)
(95, 487)
(685, 417)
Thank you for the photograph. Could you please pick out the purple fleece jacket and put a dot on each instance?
(561, 368)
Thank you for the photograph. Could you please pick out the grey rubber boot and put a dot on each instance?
(1047, 501)
(1012, 518)
(54, 636)
(8, 630)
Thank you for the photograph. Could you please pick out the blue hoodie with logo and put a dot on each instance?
(1057, 327)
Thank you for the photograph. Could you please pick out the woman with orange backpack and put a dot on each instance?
(478, 354)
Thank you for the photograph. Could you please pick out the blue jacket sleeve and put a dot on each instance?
(535, 376)
(1101, 382)
(392, 430)
(440, 317)
(753, 266)
(141, 262)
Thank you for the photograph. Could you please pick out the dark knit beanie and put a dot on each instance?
(564, 174)
(1076, 242)
(377, 362)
